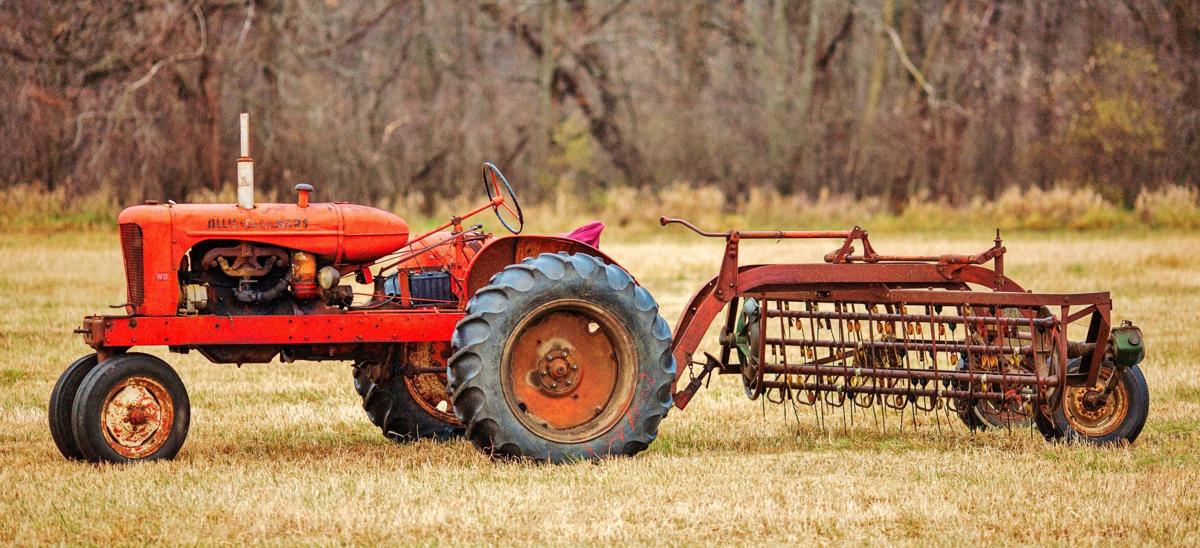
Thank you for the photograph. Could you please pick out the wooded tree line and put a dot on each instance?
(950, 99)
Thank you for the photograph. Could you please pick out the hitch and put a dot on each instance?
(684, 396)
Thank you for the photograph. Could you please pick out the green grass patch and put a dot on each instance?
(10, 376)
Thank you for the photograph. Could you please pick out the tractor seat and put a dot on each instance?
(588, 234)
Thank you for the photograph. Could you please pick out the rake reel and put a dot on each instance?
(916, 334)
(988, 367)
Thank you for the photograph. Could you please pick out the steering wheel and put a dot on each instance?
(501, 195)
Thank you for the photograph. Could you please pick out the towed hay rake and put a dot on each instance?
(917, 333)
(544, 347)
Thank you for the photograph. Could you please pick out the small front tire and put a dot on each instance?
(62, 399)
(131, 408)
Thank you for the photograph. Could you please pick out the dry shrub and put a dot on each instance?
(924, 212)
(227, 195)
(1062, 206)
(622, 206)
(767, 208)
(635, 212)
(31, 206)
(703, 205)
(1171, 206)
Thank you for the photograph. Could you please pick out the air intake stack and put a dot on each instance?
(245, 166)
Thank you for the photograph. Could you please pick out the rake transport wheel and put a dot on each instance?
(748, 330)
(562, 357)
(61, 400)
(980, 414)
(1085, 417)
(132, 407)
(408, 408)
(983, 414)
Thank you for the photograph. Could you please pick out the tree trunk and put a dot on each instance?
(861, 149)
(804, 96)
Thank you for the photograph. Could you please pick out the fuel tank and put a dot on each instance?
(338, 232)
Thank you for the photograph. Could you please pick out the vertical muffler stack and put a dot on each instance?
(245, 166)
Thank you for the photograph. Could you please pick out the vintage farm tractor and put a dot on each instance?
(544, 347)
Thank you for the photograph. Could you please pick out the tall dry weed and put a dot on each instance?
(1171, 206)
(636, 211)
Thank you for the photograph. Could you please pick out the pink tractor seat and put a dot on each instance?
(588, 234)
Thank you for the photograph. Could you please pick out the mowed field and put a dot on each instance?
(284, 452)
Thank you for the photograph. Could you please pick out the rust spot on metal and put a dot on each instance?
(425, 379)
(137, 417)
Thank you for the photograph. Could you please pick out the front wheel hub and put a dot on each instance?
(137, 417)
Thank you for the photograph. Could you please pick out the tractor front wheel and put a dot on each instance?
(560, 358)
(62, 399)
(131, 407)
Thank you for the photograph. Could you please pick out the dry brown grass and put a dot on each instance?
(284, 454)
(632, 213)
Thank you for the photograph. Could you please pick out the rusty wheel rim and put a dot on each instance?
(429, 391)
(1097, 420)
(137, 417)
(568, 371)
(1002, 414)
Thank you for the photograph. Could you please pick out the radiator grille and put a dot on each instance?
(131, 246)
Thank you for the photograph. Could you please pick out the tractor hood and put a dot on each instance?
(340, 232)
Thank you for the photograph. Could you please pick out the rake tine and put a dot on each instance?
(1002, 363)
(933, 358)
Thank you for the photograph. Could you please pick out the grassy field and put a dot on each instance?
(284, 453)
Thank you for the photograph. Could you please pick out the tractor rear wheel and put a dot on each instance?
(132, 407)
(62, 398)
(560, 358)
(408, 408)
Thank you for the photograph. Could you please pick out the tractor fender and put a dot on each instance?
(501, 252)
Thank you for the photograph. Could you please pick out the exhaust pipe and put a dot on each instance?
(245, 167)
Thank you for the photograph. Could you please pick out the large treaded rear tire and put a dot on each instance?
(391, 407)
(497, 310)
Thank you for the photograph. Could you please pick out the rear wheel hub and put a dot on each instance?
(568, 372)
(556, 374)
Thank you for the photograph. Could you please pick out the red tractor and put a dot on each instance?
(544, 347)
(248, 282)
